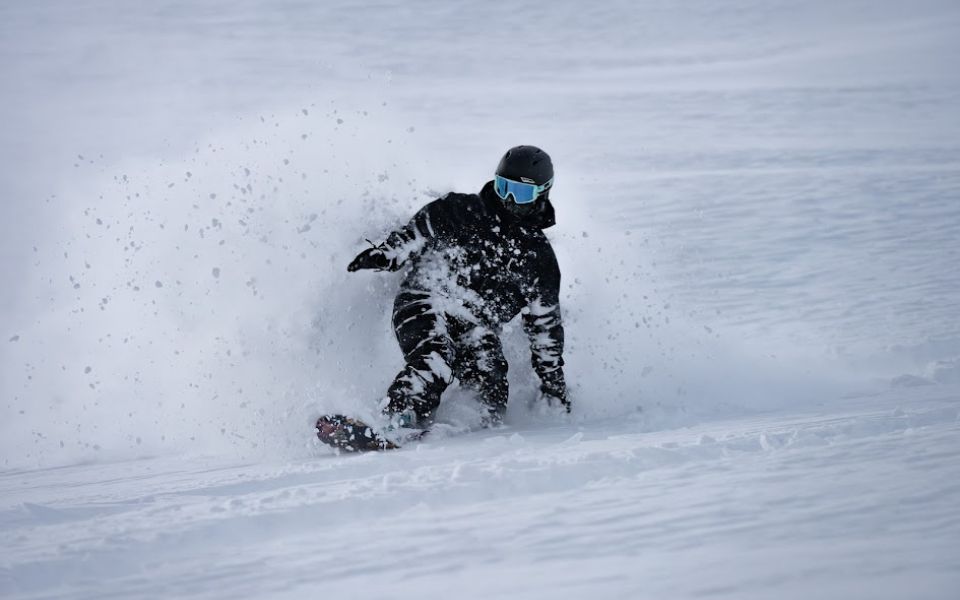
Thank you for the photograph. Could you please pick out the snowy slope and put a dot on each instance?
(758, 230)
(857, 502)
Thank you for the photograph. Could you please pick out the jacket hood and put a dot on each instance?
(543, 218)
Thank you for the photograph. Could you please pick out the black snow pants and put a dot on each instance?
(439, 347)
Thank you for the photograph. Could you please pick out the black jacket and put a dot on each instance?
(489, 265)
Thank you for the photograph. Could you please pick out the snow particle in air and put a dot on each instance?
(86, 370)
(15, 338)
(158, 284)
(216, 272)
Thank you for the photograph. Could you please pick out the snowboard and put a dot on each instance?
(353, 435)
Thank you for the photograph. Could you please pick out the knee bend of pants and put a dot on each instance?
(419, 328)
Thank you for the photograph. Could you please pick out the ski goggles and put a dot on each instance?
(523, 193)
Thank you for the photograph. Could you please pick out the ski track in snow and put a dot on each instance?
(856, 502)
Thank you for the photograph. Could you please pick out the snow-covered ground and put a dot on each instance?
(859, 501)
(759, 215)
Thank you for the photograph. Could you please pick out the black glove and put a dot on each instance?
(553, 389)
(371, 258)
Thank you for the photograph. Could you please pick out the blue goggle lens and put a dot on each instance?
(523, 193)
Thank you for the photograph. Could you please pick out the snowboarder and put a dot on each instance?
(475, 262)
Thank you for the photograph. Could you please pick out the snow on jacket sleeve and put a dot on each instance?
(543, 325)
(410, 240)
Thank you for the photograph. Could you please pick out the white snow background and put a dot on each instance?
(759, 215)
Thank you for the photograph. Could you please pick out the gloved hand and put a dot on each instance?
(371, 258)
(553, 389)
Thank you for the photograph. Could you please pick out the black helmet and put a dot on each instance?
(526, 163)
(532, 170)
